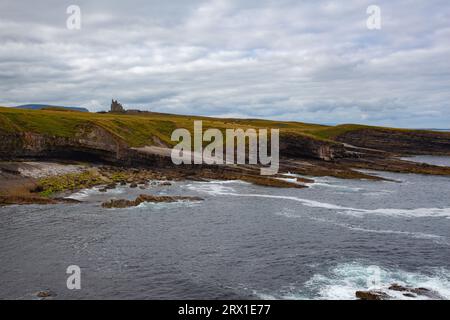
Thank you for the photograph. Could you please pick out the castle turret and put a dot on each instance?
(116, 106)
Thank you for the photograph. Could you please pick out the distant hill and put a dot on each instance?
(46, 106)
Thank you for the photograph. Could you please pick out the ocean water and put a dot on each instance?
(241, 242)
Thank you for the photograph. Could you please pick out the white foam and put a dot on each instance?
(321, 182)
(306, 202)
(211, 188)
(291, 180)
(415, 213)
(419, 212)
(228, 182)
(418, 235)
(342, 282)
(82, 194)
(334, 186)
(165, 205)
(345, 279)
(86, 193)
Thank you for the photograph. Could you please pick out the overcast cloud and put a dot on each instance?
(312, 61)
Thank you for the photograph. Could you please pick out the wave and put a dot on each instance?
(229, 182)
(408, 213)
(86, 193)
(418, 212)
(418, 235)
(334, 186)
(212, 188)
(321, 183)
(166, 205)
(342, 282)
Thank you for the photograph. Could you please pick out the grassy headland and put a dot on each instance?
(115, 138)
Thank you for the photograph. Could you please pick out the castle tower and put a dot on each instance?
(116, 106)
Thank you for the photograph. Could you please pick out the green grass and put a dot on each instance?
(71, 181)
(333, 132)
(139, 130)
(134, 129)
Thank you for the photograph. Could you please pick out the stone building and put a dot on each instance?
(116, 106)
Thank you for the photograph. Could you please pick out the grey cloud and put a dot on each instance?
(308, 61)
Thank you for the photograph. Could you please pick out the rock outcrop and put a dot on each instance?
(372, 295)
(44, 294)
(414, 292)
(91, 143)
(19, 199)
(123, 203)
(399, 141)
(406, 291)
(303, 146)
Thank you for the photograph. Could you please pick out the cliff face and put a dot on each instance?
(399, 141)
(90, 142)
(94, 143)
(307, 147)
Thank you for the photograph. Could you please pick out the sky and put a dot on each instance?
(309, 61)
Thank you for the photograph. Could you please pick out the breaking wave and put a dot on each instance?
(342, 282)
(218, 189)
(86, 193)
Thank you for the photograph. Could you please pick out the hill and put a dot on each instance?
(145, 139)
(50, 107)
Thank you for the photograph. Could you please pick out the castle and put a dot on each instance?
(116, 106)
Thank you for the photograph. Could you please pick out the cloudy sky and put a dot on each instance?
(313, 61)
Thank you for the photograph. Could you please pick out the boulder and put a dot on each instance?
(45, 294)
(427, 293)
(372, 295)
(121, 203)
(414, 292)
(111, 186)
(397, 287)
(304, 180)
(153, 198)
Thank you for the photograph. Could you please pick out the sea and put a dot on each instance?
(242, 242)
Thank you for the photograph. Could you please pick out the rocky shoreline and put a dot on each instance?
(41, 162)
(46, 182)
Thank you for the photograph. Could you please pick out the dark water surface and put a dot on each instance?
(243, 241)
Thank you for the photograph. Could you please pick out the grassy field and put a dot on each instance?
(141, 129)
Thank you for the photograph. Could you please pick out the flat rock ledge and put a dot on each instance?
(372, 295)
(123, 203)
(25, 200)
(407, 291)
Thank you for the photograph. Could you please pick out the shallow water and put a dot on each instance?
(243, 241)
(434, 160)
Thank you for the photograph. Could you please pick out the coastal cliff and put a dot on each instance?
(127, 142)
(405, 142)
